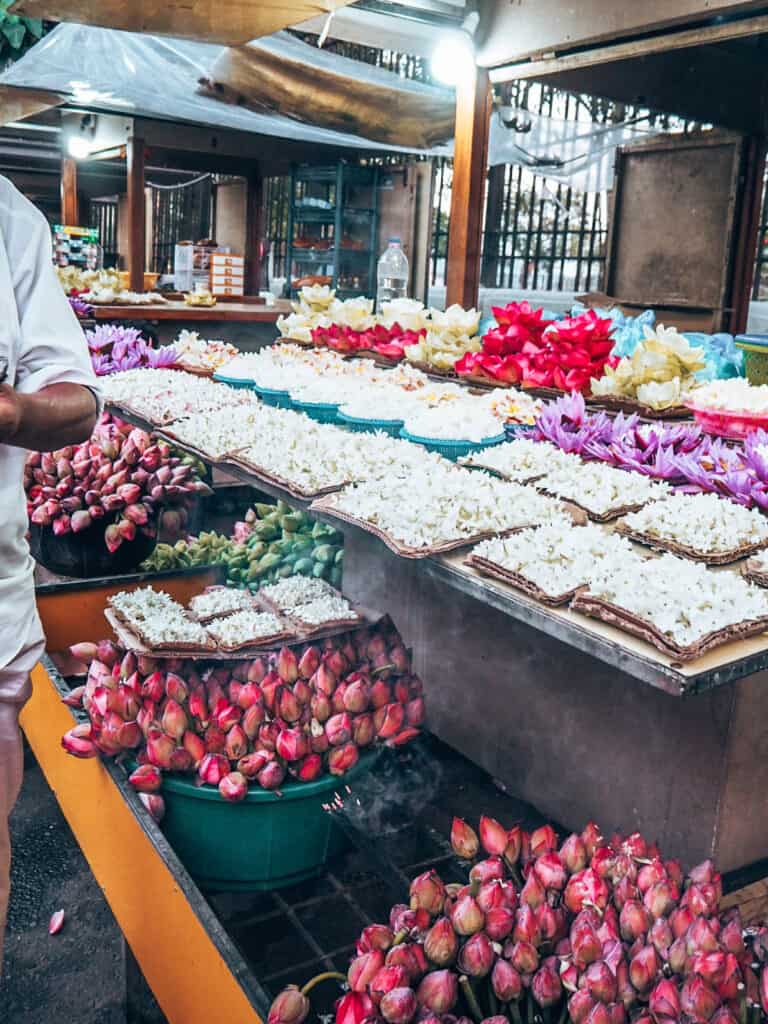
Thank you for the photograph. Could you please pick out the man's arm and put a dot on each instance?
(51, 418)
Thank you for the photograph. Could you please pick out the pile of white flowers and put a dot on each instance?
(703, 522)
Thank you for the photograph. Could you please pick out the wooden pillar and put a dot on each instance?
(137, 215)
(747, 228)
(470, 157)
(70, 210)
(254, 217)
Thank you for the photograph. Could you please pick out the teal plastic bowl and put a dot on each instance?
(322, 412)
(361, 426)
(263, 842)
(272, 396)
(234, 382)
(452, 449)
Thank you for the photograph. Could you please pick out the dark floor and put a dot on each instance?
(77, 975)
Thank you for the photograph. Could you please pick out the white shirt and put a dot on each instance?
(43, 344)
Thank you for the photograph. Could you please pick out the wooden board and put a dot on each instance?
(752, 901)
(212, 21)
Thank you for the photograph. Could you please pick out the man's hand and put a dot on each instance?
(56, 416)
(10, 414)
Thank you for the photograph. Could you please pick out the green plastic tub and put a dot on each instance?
(265, 841)
(755, 349)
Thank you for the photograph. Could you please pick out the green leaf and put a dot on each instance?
(34, 26)
(14, 34)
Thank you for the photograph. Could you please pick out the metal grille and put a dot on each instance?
(179, 213)
(276, 198)
(103, 215)
(760, 285)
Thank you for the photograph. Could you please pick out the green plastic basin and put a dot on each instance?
(265, 841)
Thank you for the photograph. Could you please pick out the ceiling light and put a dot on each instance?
(453, 59)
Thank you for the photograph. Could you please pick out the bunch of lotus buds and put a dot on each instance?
(297, 713)
(590, 930)
(121, 472)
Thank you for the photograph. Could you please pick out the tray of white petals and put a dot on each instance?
(522, 461)
(603, 492)
(680, 607)
(703, 527)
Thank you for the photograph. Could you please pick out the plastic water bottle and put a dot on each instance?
(391, 274)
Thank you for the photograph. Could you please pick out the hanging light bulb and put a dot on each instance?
(453, 59)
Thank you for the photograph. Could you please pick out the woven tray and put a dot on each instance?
(277, 481)
(166, 434)
(629, 405)
(519, 582)
(629, 623)
(205, 619)
(522, 481)
(307, 629)
(596, 517)
(713, 558)
(132, 640)
(751, 572)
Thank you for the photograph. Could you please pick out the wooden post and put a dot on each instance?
(470, 157)
(137, 215)
(70, 211)
(254, 215)
(745, 236)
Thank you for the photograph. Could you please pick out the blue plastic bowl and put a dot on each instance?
(234, 382)
(364, 426)
(272, 396)
(322, 412)
(452, 449)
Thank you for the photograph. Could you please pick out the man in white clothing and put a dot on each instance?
(48, 399)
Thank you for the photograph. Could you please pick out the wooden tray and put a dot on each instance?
(520, 582)
(713, 558)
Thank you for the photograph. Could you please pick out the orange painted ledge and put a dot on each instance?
(182, 964)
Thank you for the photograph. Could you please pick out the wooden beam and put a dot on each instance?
(70, 207)
(470, 160)
(749, 204)
(136, 215)
(254, 218)
(515, 31)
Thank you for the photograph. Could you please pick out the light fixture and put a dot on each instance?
(80, 143)
(453, 59)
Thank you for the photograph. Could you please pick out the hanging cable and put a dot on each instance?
(180, 184)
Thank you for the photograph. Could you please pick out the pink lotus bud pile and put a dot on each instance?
(293, 714)
(589, 930)
(121, 472)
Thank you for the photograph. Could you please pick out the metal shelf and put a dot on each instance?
(584, 634)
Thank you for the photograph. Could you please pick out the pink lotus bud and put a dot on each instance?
(624, 892)
(533, 893)
(507, 983)
(74, 699)
(362, 730)
(678, 956)
(466, 916)
(215, 740)
(569, 975)
(499, 922)
(650, 874)
(487, 870)
(438, 991)
(236, 745)
(352, 1008)
(644, 968)
(127, 529)
(680, 921)
(174, 720)
(268, 733)
(320, 706)
(364, 969)
(493, 836)
(634, 920)
(664, 1001)
(580, 1005)
(600, 982)
(604, 861)
(387, 979)
(338, 729)
(251, 764)
(599, 1014)
(309, 768)
(724, 1016)
(77, 741)
(702, 873)
(660, 936)
(545, 984)
(271, 775)
(496, 894)
(233, 787)
(356, 697)
(291, 1007)
(176, 688)
(552, 922)
(324, 680)
(160, 748)
(61, 525)
(701, 937)
(398, 1006)
(660, 899)
(573, 853)
(702, 899)
(309, 662)
(375, 936)
(286, 706)
(113, 538)
(428, 892)
(341, 759)
(476, 956)
(154, 805)
(302, 693)
(550, 871)
(698, 1000)
(80, 521)
(213, 768)
(523, 956)
(543, 840)
(441, 943)
(129, 735)
(292, 744)
(194, 746)
(103, 700)
(709, 966)
(287, 665)
(388, 721)
(252, 720)
(249, 695)
(380, 693)
(731, 937)
(257, 670)
(228, 716)
(410, 956)
(153, 687)
(585, 888)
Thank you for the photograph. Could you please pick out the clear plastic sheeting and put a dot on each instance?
(579, 153)
(150, 76)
